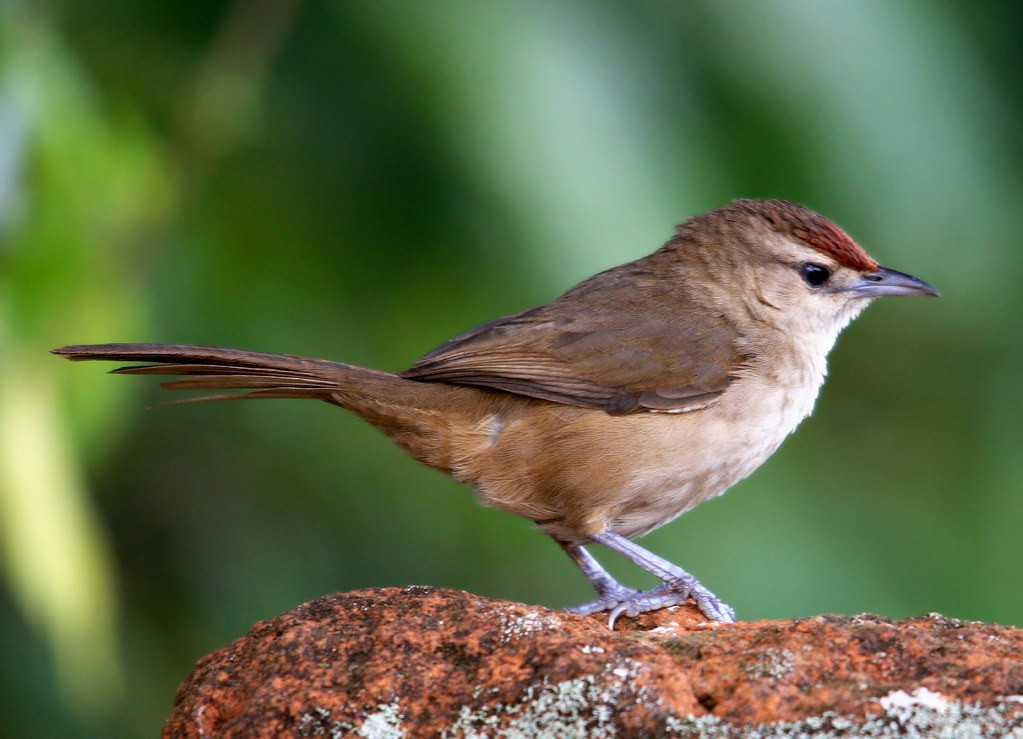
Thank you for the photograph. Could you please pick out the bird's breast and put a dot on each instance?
(578, 471)
(701, 455)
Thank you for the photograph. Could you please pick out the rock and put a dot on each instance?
(425, 662)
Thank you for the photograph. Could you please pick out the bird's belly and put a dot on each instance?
(703, 455)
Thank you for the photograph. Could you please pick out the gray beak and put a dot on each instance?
(889, 282)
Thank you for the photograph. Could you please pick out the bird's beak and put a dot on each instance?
(886, 281)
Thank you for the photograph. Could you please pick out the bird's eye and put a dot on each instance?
(814, 275)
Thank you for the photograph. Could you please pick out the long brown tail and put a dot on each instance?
(406, 410)
(208, 368)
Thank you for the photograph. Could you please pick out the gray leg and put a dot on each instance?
(678, 585)
(611, 593)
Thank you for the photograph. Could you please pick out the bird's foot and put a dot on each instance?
(674, 593)
(609, 598)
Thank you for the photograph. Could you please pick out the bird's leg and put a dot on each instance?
(611, 593)
(678, 585)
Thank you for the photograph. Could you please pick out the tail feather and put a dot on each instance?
(190, 369)
(241, 382)
(407, 410)
(199, 355)
(277, 393)
(209, 368)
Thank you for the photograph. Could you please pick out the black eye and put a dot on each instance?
(814, 274)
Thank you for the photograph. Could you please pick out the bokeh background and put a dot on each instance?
(362, 180)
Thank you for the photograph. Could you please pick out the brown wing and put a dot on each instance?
(623, 341)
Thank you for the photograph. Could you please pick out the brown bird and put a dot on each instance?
(638, 394)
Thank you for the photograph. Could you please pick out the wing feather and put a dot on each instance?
(595, 348)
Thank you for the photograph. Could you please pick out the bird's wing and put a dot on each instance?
(594, 350)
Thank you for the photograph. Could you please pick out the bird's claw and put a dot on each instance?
(673, 594)
(607, 600)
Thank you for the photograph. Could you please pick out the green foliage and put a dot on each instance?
(360, 181)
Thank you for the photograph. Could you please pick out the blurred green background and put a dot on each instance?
(360, 181)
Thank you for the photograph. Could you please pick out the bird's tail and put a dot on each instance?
(207, 368)
(424, 418)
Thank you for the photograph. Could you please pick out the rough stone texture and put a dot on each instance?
(425, 662)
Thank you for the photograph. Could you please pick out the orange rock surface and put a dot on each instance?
(425, 662)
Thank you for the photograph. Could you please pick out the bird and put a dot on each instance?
(633, 397)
